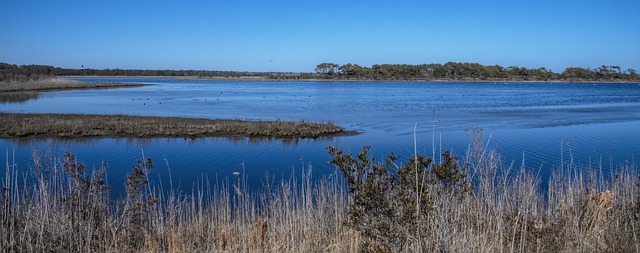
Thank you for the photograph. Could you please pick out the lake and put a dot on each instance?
(537, 123)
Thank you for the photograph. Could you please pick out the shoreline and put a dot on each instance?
(18, 125)
(59, 84)
(267, 79)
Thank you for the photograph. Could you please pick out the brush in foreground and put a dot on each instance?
(65, 208)
(81, 125)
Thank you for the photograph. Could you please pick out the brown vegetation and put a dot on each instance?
(66, 209)
(80, 125)
(52, 83)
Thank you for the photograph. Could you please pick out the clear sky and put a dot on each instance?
(297, 35)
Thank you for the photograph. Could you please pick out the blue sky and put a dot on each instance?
(297, 35)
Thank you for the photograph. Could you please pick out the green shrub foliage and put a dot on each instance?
(388, 201)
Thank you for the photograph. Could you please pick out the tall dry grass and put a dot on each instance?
(64, 208)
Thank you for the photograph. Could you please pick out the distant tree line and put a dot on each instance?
(469, 72)
(11, 72)
(332, 71)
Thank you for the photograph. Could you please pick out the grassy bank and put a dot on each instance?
(52, 83)
(66, 209)
(81, 125)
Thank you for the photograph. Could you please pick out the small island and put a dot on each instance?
(14, 125)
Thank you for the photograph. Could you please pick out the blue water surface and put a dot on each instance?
(538, 123)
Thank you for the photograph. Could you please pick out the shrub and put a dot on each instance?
(137, 204)
(87, 201)
(389, 202)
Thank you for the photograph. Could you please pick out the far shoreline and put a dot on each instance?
(267, 79)
(60, 84)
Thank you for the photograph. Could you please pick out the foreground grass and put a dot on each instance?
(66, 209)
(81, 125)
(51, 84)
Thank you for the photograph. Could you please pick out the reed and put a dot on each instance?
(63, 207)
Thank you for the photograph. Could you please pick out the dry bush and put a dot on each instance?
(390, 204)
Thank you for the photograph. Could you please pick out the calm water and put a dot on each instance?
(602, 122)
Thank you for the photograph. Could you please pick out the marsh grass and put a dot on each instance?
(82, 125)
(52, 83)
(63, 208)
